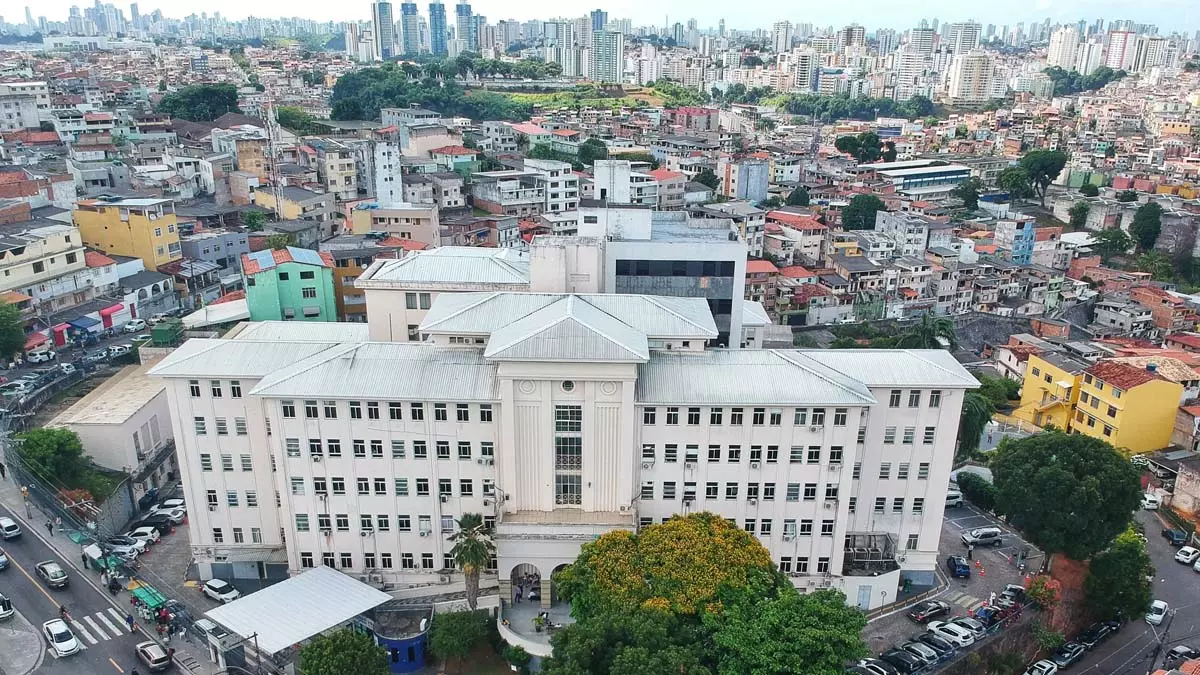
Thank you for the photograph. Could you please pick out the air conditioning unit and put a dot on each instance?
(376, 578)
(789, 537)
(316, 458)
(489, 461)
(326, 532)
(752, 501)
(479, 461)
(424, 533)
(487, 502)
(647, 465)
(212, 507)
(814, 428)
(366, 533)
(835, 466)
(829, 503)
(754, 465)
(689, 465)
(812, 582)
(445, 498)
(624, 508)
(443, 579)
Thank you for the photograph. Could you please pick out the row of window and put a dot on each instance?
(206, 462)
(416, 411)
(399, 448)
(222, 426)
(774, 416)
(232, 498)
(796, 492)
(239, 536)
(1095, 403)
(1091, 422)
(382, 523)
(216, 388)
(385, 561)
(400, 486)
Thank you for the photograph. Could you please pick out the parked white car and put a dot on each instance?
(221, 591)
(1043, 667)
(952, 632)
(134, 326)
(147, 534)
(177, 514)
(40, 356)
(1151, 502)
(1187, 555)
(119, 350)
(62, 641)
(1158, 612)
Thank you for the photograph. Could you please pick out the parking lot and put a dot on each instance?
(992, 568)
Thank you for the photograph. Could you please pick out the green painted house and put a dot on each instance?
(289, 284)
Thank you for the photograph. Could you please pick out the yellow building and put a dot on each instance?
(1050, 389)
(138, 228)
(1133, 408)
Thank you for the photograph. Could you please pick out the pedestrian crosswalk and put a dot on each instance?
(965, 600)
(93, 628)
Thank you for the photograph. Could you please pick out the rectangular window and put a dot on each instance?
(568, 418)
(914, 398)
(395, 411)
(649, 415)
(672, 416)
(464, 450)
(714, 453)
(885, 470)
(231, 497)
(239, 426)
(898, 505)
(218, 536)
(693, 417)
(923, 471)
(330, 409)
(376, 449)
(735, 454)
(206, 462)
(647, 489)
(902, 471)
(909, 434)
(416, 411)
(927, 438)
(810, 492)
(439, 412)
(894, 399)
(793, 492)
(800, 418)
(235, 389)
(775, 417)
(880, 504)
(194, 388)
(889, 435)
(247, 462)
(806, 527)
(715, 415)
(201, 428)
(443, 449)
(289, 409)
(338, 483)
(302, 522)
(712, 490)
(785, 564)
(485, 412)
(215, 385)
(758, 417)
(222, 426)
(419, 450)
(831, 491)
(731, 490)
(364, 485)
(818, 417)
(355, 410)
(835, 455)
(935, 396)
(839, 417)
(735, 416)
(918, 505)
(226, 462)
(912, 543)
(334, 446)
(462, 412)
(814, 455)
(796, 455)
(397, 449)
(857, 472)
(293, 446)
(297, 486)
(310, 410)
(768, 492)
(826, 528)
(670, 453)
(852, 504)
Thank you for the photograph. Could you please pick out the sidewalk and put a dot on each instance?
(189, 655)
(21, 645)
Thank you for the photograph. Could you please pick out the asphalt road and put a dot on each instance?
(1131, 650)
(108, 645)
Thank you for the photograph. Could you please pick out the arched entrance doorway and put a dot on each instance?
(526, 584)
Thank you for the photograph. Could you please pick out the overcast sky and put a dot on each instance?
(1169, 15)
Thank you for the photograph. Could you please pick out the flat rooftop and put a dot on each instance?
(114, 401)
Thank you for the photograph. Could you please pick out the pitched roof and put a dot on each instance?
(454, 265)
(568, 330)
(661, 174)
(529, 129)
(898, 367)
(97, 259)
(1169, 368)
(261, 261)
(761, 267)
(1122, 375)
(453, 150)
(767, 376)
(796, 272)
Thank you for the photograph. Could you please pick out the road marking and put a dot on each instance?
(104, 619)
(34, 581)
(116, 615)
(114, 665)
(93, 626)
(83, 631)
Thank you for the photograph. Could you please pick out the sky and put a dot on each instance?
(1168, 15)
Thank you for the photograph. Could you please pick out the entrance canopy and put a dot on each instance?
(292, 611)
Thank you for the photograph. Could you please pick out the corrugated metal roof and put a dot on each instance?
(897, 367)
(655, 316)
(387, 371)
(753, 314)
(204, 357)
(301, 331)
(283, 614)
(568, 330)
(747, 376)
(456, 265)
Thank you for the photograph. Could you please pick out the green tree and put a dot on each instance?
(1089, 190)
(707, 177)
(1067, 493)
(1117, 583)
(772, 202)
(591, 150)
(254, 220)
(931, 332)
(12, 330)
(1146, 225)
(54, 452)
(798, 197)
(1127, 196)
(1016, 181)
(200, 102)
(1156, 264)
(1079, 214)
(454, 634)
(279, 241)
(473, 549)
(295, 119)
(977, 490)
(888, 154)
(968, 191)
(859, 214)
(865, 147)
(976, 413)
(345, 651)
(1043, 166)
(999, 390)
(1114, 241)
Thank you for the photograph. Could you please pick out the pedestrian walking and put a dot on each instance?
(50, 528)
(3, 471)
(129, 622)
(518, 595)
(970, 551)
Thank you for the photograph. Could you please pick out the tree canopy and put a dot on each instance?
(1117, 583)
(344, 651)
(1078, 214)
(360, 94)
(699, 596)
(865, 147)
(473, 549)
(931, 332)
(1146, 225)
(1067, 493)
(12, 330)
(1016, 181)
(200, 102)
(1089, 190)
(976, 413)
(798, 197)
(295, 119)
(591, 150)
(968, 191)
(1110, 242)
(833, 108)
(1043, 166)
(454, 634)
(1127, 196)
(707, 177)
(54, 452)
(859, 214)
(1072, 82)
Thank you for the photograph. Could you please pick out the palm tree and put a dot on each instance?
(976, 413)
(472, 551)
(930, 333)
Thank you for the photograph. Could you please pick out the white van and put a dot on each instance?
(954, 499)
(1151, 502)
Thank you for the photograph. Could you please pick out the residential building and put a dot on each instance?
(221, 246)
(383, 28)
(608, 56)
(18, 112)
(1050, 389)
(1122, 47)
(289, 284)
(336, 168)
(1169, 313)
(744, 178)
(455, 425)
(1064, 48)
(138, 228)
(1131, 407)
(437, 29)
(298, 203)
(671, 186)
(352, 254)
(908, 231)
(414, 222)
(616, 182)
(1017, 237)
(973, 78)
(410, 29)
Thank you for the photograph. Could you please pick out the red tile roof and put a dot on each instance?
(453, 150)
(661, 174)
(1121, 375)
(529, 129)
(566, 133)
(807, 292)
(229, 297)
(96, 259)
(281, 255)
(795, 220)
(796, 272)
(33, 137)
(406, 244)
(761, 267)
(1188, 339)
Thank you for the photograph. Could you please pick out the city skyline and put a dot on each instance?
(1169, 15)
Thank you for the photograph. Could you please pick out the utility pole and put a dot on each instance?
(1162, 640)
(273, 156)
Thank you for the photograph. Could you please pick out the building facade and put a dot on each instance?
(138, 228)
(289, 284)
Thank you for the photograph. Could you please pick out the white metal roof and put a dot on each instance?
(753, 314)
(452, 265)
(222, 312)
(897, 367)
(487, 313)
(301, 331)
(568, 330)
(113, 402)
(292, 611)
(766, 376)
(205, 357)
(384, 370)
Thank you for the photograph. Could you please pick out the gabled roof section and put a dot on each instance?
(897, 367)
(765, 376)
(452, 265)
(204, 357)
(657, 317)
(261, 261)
(568, 330)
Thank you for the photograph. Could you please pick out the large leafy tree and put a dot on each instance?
(707, 177)
(1107, 243)
(294, 118)
(865, 147)
(1127, 196)
(1068, 493)
(1043, 166)
(968, 191)
(454, 634)
(1117, 583)
(1016, 181)
(1156, 264)
(591, 150)
(54, 452)
(1089, 190)
(1146, 225)
(12, 330)
(798, 197)
(699, 596)
(931, 332)
(1078, 214)
(976, 413)
(344, 651)
(859, 214)
(200, 102)
(472, 551)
